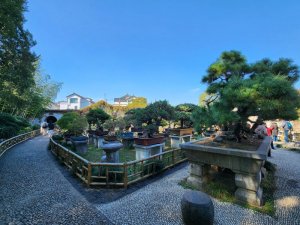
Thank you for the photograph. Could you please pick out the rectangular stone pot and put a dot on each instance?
(245, 164)
(181, 131)
(149, 141)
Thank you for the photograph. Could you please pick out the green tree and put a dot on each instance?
(73, 123)
(183, 113)
(155, 114)
(16, 59)
(97, 117)
(264, 89)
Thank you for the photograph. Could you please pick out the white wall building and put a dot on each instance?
(74, 101)
(123, 101)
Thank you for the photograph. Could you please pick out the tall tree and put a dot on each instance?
(264, 89)
(16, 58)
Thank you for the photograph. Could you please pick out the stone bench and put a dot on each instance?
(197, 208)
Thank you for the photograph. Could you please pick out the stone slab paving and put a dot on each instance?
(159, 202)
(34, 191)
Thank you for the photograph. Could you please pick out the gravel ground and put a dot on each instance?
(34, 191)
(159, 202)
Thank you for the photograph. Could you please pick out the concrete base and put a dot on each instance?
(177, 140)
(251, 197)
(249, 188)
(198, 174)
(100, 141)
(143, 152)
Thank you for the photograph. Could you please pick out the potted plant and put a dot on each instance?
(152, 117)
(240, 93)
(183, 113)
(110, 125)
(96, 118)
(73, 125)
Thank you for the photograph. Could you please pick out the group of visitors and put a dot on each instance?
(47, 128)
(273, 130)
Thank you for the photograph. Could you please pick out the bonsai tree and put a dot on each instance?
(183, 113)
(134, 117)
(154, 114)
(97, 117)
(239, 90)
(73, 123)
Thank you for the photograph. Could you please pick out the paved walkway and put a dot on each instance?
(35, 190)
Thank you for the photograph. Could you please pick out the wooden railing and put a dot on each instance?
(116, 174)
(7, 144)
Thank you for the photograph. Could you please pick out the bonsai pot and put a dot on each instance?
(110, 138)
(101, 133)
(149, 141)
(181, 131)
(127, 135)
(80, 143)
(133, 129)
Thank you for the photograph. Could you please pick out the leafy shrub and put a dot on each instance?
(73, 123)
(12, 125)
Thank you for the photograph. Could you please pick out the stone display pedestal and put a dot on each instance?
(248, 188)
(177, 140)
(198, 174)
(112, 152)
(143, 152)
(98, 141)
(246, 164)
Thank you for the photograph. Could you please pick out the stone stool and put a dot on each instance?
(197, 208)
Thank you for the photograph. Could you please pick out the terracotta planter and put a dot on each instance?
(149, 141)
(181, 131)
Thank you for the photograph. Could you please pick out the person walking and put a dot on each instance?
(275, 131)
(43, 129)
(262, 130)
(50, 129)
(287, 126)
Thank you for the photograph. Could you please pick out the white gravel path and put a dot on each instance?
(159, 202)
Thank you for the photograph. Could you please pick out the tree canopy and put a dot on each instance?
(183, 113)
(24, 90)
(239, 90)
(97, 117)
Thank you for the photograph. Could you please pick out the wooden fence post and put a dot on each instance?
(173, 157)
(125, 175)
(89, 174)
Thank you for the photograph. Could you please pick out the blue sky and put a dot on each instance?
(158, 49)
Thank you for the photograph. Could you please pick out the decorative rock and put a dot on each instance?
(197, 208)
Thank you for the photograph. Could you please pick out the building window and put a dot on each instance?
(76, 107)
(73, 100)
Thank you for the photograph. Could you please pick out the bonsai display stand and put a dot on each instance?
(177, 140)
(143, 152)
(247, 166)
